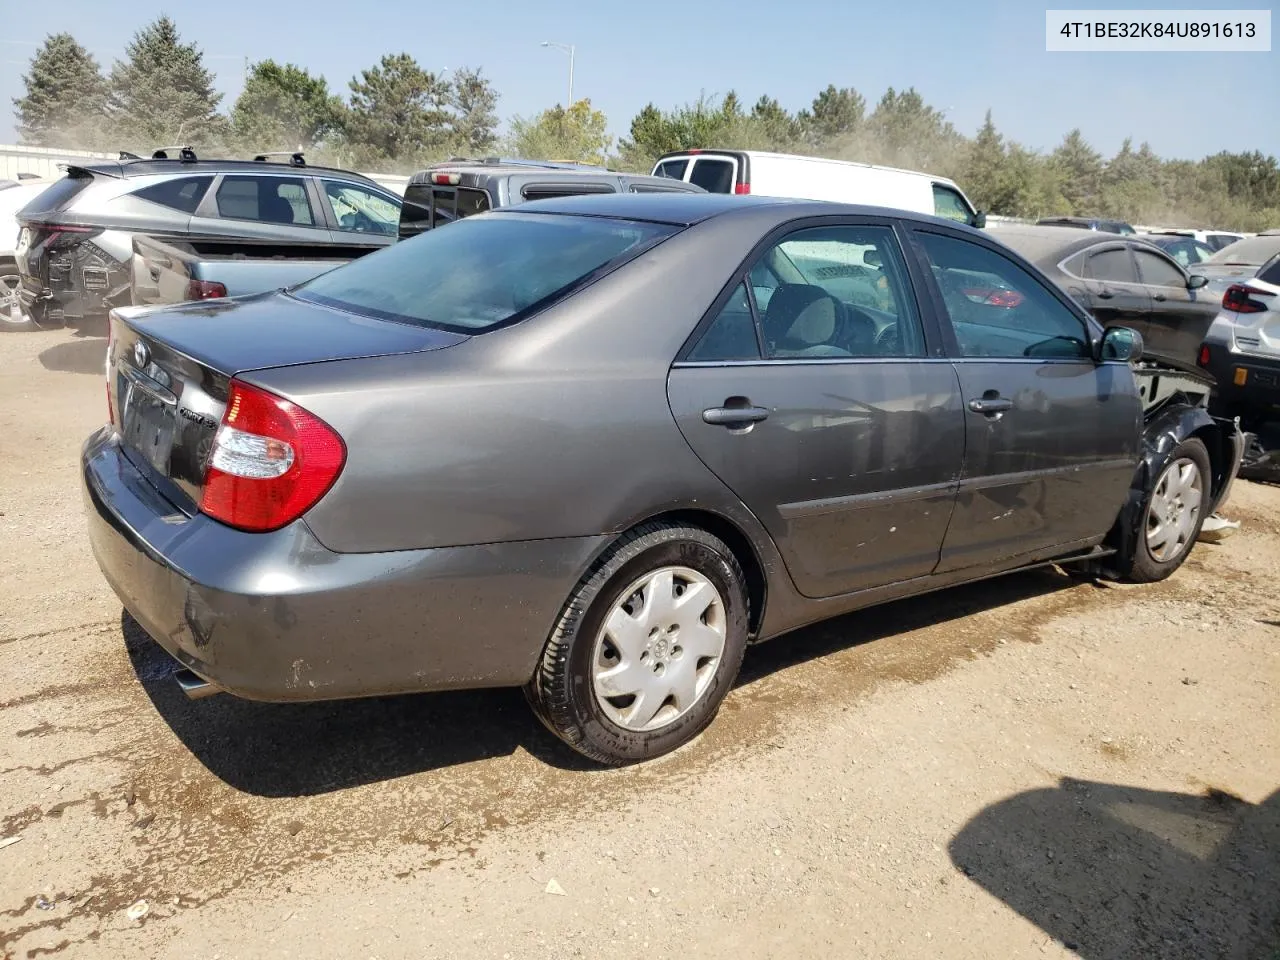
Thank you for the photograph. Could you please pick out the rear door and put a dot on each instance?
(1051, 437)
(1179, 317)
(810, 390)
(1116, 297)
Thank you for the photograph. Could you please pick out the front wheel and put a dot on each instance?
(12, 319)
(1175, 509)
(646, 647)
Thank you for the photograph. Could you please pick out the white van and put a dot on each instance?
(813, 178)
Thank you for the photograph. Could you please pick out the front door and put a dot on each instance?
(810, 394)
(1051, 437)
(1179, 317)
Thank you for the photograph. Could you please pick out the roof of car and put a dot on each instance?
(1049, 244)
(546, 170)
(1051, 220)
(150, 167)
(686, 209)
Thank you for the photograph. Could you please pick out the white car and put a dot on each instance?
(817, 178)
(1242, 346)
(1215, 239)
(13, 198)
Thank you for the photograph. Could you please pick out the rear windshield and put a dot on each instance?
(484, 272)
(59, 195)
(713, 175)
(1250, 251)
(448, 204)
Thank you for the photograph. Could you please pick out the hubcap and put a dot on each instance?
(659, 648)
(10, 309)
(1174, 510)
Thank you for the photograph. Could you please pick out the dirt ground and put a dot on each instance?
(1030, 767)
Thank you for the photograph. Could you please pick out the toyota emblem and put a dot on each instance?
(141, 355)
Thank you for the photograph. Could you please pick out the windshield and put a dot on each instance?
(1250, 251)
(483, 272)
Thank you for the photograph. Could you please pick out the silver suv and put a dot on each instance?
(76, 238)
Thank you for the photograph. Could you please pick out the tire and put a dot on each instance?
(10, 306)
(1155, 559)
(582, 655)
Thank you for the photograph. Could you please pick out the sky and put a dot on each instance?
(963, 57)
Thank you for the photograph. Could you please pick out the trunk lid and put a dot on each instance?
(168, 371)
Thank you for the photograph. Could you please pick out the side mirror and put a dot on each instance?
(980, 219)
(1196, 281)
(1121, 343)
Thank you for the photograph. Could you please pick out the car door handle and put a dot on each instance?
(734, 416)
(1105, 294)
(990, 406)
(1159, 296)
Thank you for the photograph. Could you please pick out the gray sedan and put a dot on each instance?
(596, 446)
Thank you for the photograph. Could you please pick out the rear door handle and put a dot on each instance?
(1105, 294)
(1159, 296)
(734, 416)
(990, 406)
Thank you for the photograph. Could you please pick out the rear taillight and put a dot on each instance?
(446, 179)
(1239, 299)
(205, 290)
(1203, 358)
(271, 461)
(742, 188)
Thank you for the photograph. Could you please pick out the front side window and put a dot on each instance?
(360, 210)
(1158, 271)
(484, 271)
(1115, 266)
(713, 174)
(281, 200)
(998, 309)
(950, 205)
(181, 193)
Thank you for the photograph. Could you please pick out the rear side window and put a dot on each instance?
(713, 175)
(182, 193)
(1271, 272)
(484, 272)
(673, 169)
(280, 200)
(426, 207)
(59, 195)
(1113, 265)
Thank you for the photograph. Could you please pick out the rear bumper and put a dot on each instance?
(1243, 379)
(279, 617)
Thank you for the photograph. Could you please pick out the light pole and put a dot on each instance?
(567, 48)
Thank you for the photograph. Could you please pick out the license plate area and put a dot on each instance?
(148, 419)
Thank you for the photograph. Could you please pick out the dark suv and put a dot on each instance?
(458, 188)
(76, 238)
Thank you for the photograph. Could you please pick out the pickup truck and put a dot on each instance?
(169, 270)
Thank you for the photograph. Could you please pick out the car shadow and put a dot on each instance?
(1120, 872)
(300, 749)
(86, 355)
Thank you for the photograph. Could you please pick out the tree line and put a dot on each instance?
(398, 116)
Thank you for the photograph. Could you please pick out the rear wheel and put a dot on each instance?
(646, 647)
(11, 316)
(1175, 509)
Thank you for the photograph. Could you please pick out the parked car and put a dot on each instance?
(1240, 261)
(13, 197)
(76, 245)
(450, 191)
(1188, 251)
(817, 178)
(1242, 348)
(1124, 281)
(1088, 223)
(596, 445)
(1215, 240)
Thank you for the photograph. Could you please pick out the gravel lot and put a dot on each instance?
(1030, 767)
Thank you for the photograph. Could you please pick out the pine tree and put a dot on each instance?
(285, 107)
(163, 94)
(474, 100)
(835, 113)
(986, 175)
(64, 96)
(398, 112)
(1079, 170)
